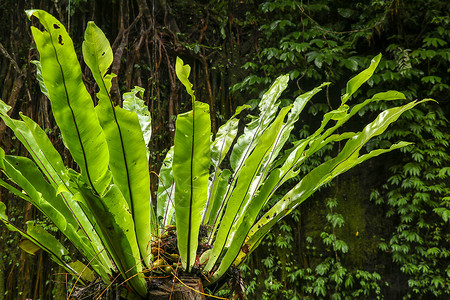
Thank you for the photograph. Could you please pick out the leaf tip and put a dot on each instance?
(31, 12)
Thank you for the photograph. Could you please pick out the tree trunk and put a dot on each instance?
(60, 289)
(2, 275)
(173, 289)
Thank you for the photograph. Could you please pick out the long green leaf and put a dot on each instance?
(43, 196)
(225, 137)
(341, 114)
(253, 131)
(383, 96)
(38, 145)
(191, 162)
(280, 141)
(41, 149)
(166, 189)
(354, 83)
(41, 238)
(242, 194)
(281, 138)
(219, 149)
(44, 240)
(38, 236)
(294, 113)
(346, 159)
(39, 77)
(245, 144)
(183, 72)
(319, 139)
(262, 227)
(132, 101)
(217, 196)
(117, 230)
(248, 217)
(72, 105)
(127, 149)
(25, 173)
(49, 161)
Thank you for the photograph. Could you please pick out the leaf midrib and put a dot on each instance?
(73, 114)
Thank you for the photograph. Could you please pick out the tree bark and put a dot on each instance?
(173, 289)
(2, 275)
(13, 98)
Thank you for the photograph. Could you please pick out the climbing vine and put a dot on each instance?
(417, 196)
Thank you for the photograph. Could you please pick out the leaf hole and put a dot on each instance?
(103, 53)
(56, 26)
(60, 40)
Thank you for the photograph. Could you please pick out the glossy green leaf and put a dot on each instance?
(29, 247)
(383, 96)
(191, 162)
(354, 83)
(291, 166)
(47, 158)
(132, 101)
(86, 272)
(39, 77)
(317, 139)
(49, 161)
(253, 131)
(346, 159)
(116, 228)
(43, 196)
(279, 138)
(245, 190)
(183, 72)
(225, 137)
(25, 173)
(38, 145)
(217, 196)
(41, 239)
(127, 149)
(72, 105)
(219, 149)
(97, 54)
(220, 201)
(255, 206)
(294, 113)
(38, 233)
(166, 191)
